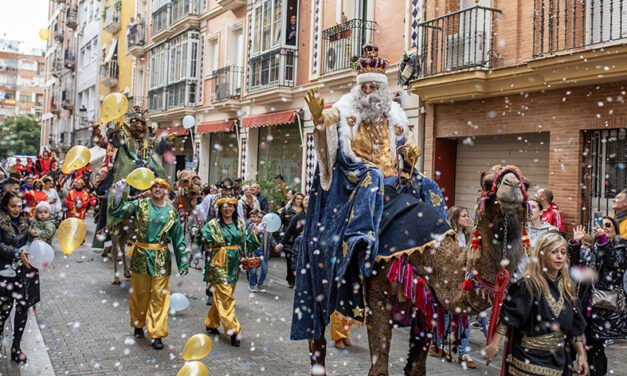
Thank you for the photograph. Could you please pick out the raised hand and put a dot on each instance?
(579, 232)
(316, 106)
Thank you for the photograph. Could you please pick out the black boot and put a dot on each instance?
(157, 344)
(139, 333)
(212, 331)
(235, 341)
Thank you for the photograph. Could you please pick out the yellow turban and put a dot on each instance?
(162, 182)
(227, 200)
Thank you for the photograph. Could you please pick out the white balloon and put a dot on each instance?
(189, 122)
(178, 302)
(272, 222)
(40, 254)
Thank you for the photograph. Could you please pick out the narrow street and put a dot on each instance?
(84, 322)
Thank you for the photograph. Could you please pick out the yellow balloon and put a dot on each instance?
(141, 178)
(44, 34)
(72, 233)
(194, 368)
(114, 107)
(197, 347)
(76, 158)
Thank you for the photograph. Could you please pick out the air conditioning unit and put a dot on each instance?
(466, 50)
(333, 57)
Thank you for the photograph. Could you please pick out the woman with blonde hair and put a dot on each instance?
(541, 317)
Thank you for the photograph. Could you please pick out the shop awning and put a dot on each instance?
(178, 131)
(264, 120)
(111, 52)
(216, 126)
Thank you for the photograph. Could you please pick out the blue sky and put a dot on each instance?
(22, 19)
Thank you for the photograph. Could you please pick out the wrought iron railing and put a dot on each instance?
(341, 44)
(570, 24)
(136, 35)
(271, 69)
(459, 40)
(226, 83)
(603, 171)
(109, 72)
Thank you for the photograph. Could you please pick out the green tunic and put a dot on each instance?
(154, 225)
(45, 229)
(233, 236)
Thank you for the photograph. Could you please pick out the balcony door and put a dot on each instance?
(236, 59)
(469, 39)
(354, 9)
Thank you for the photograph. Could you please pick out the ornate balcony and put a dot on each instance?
(112, 20)
(272, 69)
(563, 26)
(341, 44)
(109, 72)
(70, 60)
(461, 40)
(136, 40)
(71, 19)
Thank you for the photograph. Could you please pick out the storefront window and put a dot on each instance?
(280, 148)
(223, 156)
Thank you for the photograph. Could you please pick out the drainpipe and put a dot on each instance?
(422, 125)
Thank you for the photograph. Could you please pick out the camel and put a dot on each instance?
(499, 224)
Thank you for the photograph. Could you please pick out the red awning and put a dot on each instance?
(216, 126)
(178, 131)
(264, 120)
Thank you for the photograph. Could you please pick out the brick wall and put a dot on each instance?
(565, 113)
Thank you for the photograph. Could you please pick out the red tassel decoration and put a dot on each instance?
(500, 288)
(467, 285)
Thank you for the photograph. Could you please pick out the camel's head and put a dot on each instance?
(505, 186)
(502, 214)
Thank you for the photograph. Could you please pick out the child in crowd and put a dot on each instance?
(255, 283)
(42, 226)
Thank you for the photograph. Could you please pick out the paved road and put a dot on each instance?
(85, 324)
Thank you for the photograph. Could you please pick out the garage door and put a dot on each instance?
(530, 152)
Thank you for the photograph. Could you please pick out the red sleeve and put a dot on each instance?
(559, 221)
(69, 202)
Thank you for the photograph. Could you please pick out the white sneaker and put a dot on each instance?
(261, 289)
(252, 289)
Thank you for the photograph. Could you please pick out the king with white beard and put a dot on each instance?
(367, 202)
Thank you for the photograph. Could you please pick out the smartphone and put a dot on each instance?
(598, 221)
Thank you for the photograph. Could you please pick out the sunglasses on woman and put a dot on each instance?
(608, 225)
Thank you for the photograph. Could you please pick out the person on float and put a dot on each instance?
(366, 161)
(225, 239)
(156, 223)
(45, 163)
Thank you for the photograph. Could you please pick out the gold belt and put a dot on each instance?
(149, 246)
(548, 342)
(219, 256)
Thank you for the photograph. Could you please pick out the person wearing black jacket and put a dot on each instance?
(294, 229)
(609, 259)
(19, 281)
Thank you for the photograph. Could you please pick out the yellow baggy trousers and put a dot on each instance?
(150, 302)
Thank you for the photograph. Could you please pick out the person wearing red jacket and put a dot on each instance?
(78, 201)
(34, 197)
(45, 163)
(551, 213)
(19, 167)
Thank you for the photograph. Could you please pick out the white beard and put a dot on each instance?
(372, 106)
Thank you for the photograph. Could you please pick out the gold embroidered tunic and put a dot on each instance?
(371, 143)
